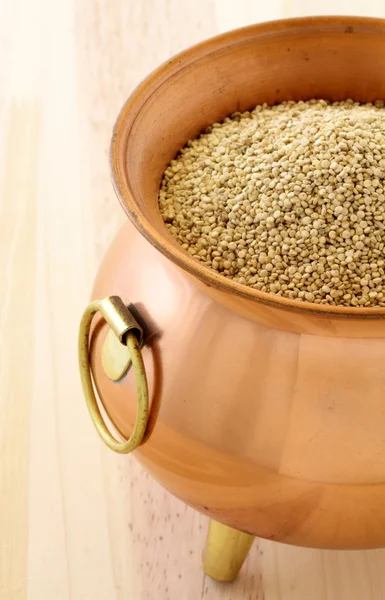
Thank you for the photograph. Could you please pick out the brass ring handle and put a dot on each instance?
(127, 330)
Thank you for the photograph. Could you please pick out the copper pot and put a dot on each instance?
(266, 414)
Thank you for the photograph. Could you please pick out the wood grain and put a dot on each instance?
(76, 521)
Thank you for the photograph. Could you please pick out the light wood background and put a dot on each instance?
(76, 521)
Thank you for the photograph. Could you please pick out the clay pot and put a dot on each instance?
(266, 414)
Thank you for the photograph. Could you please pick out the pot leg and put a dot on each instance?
(226, 550)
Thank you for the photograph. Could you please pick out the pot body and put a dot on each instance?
(276, 433)
(266, 414)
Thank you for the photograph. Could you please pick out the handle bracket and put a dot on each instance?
(129, 332)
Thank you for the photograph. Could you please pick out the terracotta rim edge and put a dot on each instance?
(139, 97)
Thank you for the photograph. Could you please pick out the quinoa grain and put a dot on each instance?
(287, 199)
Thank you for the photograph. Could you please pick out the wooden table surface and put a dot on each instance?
(76, 521)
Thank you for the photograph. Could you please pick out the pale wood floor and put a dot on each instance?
(76, 521)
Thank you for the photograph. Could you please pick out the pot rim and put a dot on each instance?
(139, 97)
